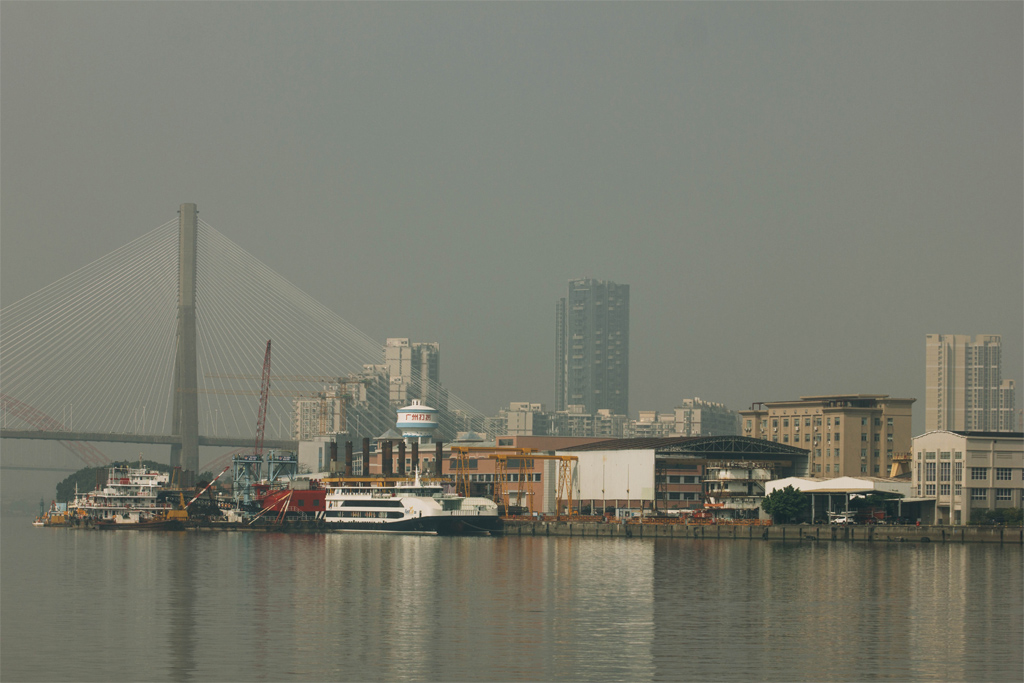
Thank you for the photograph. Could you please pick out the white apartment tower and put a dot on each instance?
(965, 391)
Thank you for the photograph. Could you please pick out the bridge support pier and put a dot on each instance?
(186, 397)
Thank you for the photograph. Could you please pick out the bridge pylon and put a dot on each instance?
(186, 397)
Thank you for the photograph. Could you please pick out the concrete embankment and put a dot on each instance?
(794, 533)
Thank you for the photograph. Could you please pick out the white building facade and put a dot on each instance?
(968, 471)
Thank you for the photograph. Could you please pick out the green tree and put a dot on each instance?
(786, 505)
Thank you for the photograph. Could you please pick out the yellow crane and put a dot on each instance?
(501, 455)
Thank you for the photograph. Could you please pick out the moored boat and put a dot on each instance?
(401, 505)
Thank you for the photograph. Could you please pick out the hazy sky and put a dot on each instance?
(796, 193)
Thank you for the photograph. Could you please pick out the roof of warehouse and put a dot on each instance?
(697, 444)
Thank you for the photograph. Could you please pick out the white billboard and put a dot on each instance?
(610, 475)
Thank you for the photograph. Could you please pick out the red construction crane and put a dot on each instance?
(261, 419)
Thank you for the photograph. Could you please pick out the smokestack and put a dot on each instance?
(401, 457)
(348, 458)
(366, 457)
(415, 455)
(438, 470)
(386, 462)
(333, 467)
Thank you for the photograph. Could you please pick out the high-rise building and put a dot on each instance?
(415, 370)
(592, 347)
(964, 388)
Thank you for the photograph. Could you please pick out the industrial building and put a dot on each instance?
(964, 472)
(671, 475)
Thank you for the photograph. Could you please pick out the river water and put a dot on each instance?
(80, 605)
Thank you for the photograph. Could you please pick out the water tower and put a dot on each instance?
(417, 422)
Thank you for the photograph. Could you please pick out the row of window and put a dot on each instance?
(682, 479)
(676, 495)
(489, 478)
(829, 421)
(943, 455)
(976, 494)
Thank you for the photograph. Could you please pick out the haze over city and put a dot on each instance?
(796, 193)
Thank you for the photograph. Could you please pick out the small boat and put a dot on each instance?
(138, 521)
(57, 515)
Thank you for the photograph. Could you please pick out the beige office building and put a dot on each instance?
(848, 435)
(964, 388)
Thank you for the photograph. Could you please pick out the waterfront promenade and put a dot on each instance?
(779, 532)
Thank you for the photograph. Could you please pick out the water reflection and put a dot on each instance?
(77, 605)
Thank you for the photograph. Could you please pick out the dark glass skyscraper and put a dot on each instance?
(592, 347)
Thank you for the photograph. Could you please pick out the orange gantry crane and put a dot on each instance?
(518, 472)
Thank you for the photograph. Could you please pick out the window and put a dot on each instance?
(943, 455)
(828, 468)
(863, 436)
(979, 473)
(863, 454)
(888, 421)
(807, 422)
(876, 468)
(817, 452)
(888, 437)
(1004, 494)
(875, 453)
(877, 438)
(807, 437)
(837, 422)
(957, 490)
(958, 472)
(863, 469)
(673, 479)
(785, 422)
(979, 494)
(943, 471)
(929, 455)
(943, 489)
(785, 438)
(929, 471)
(878, 422)
(958, 455)
(863, 422)
(748, 425)
(817, 467)
(828, 421)
(1004, 474)
(837, 436)
(775, 423)
(929, 489)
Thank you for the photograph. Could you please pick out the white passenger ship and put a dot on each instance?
(404, 506)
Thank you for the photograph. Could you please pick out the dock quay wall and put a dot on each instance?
(780, 532)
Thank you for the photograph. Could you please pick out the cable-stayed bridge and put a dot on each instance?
(162, 342)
